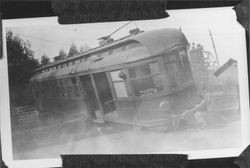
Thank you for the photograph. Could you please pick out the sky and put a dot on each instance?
(49, 37)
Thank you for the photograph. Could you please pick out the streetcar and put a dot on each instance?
(142, 79)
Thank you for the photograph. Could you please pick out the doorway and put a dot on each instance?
(104, 92)
(89, 95)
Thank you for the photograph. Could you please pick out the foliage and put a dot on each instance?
(73, 50)
(84, 48)
(21, 62)
(21, 66)
(62, 53)
(45, 59)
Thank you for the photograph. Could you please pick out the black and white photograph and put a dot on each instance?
(172, 85)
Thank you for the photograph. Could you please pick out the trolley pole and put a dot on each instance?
(216, 55)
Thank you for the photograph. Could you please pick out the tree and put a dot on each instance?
(62, 53)
(45, 59)
(21, 66)
(21, 62)
(73, 50)
(84, 48)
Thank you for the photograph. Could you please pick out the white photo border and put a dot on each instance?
(5, 107)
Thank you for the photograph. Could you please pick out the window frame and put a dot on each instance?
(141, 63)
(118, 81)
(182, 74)
(67, 83)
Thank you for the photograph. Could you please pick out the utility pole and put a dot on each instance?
(216, 55)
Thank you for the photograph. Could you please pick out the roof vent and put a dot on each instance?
(134, 31)
(105, 40)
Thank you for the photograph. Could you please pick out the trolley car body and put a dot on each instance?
(143, 78)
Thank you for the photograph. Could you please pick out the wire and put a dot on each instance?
(120, 28)
(37, 38)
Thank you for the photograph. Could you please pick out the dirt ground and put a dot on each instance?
(76, 137)
(48, 136)
(108, 140)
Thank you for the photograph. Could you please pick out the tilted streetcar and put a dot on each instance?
(142, 79)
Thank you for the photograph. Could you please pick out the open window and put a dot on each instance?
(174, 69)
(61, 88)
(72, 87)
(178, 67)
(146, 79)
(185, 64)
(118, 78)
(68, 88)
(54, 88)
(50, 89)
(46, 88)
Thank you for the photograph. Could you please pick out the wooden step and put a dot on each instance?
(24, 112)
